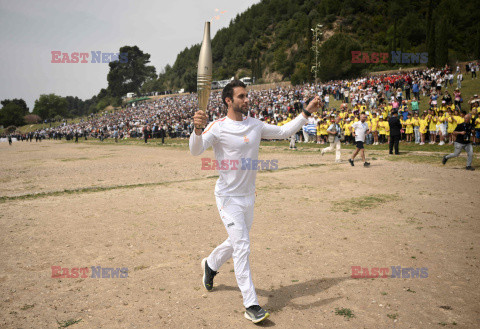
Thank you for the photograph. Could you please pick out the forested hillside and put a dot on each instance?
(272, 40)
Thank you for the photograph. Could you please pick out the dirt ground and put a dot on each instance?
(152, 210)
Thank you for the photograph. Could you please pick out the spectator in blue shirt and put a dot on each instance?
(404, 112)
(416, 90)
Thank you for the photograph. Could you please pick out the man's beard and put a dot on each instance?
(239, 108)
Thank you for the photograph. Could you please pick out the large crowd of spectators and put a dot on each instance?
(377, 96)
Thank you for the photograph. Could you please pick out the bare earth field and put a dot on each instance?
(151, 210)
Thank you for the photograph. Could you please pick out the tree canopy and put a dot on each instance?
(51, 105)
(129, 76)
(274, 36)
(12, 114)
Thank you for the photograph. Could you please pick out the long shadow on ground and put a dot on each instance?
(281, 297)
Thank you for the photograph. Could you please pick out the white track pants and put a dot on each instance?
(336, 145)
(292, 140)
(237, 216)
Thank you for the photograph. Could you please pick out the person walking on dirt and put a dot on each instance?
(463, 133)
(334, 135)
(235, 137)
(359, 131)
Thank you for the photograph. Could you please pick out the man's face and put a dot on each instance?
(468, 117)
(337, 120)
(363, 117)
(240, 100)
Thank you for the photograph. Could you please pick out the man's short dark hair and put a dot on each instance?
(464, 112)
(228, 90)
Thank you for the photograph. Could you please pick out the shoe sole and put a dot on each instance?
(257, 320)
(203, 268)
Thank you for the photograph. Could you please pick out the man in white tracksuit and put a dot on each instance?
(235, 140)
(334, 130)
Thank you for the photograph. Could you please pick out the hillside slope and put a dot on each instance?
(272, 40)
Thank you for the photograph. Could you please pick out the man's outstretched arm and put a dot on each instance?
(287, 130)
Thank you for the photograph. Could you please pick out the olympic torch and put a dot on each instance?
(204, 72)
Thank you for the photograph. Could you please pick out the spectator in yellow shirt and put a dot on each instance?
(319, 137)
(374, 122)
(432, 126)
(382, 132)
(323, 131)
(440, 128)
(409, 128)
(416, 127)
(347, 131)
(423, 127)
(451, 125)
(403, 127)
(476, 122)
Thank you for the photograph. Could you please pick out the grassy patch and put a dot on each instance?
(93, 189)
(393, 316)
(73, 159)
(141, 267)
(355, 205)
(115, 187)
(429, 159)
(268, 146)
(308, 165)
(346, 312)
(64, 324)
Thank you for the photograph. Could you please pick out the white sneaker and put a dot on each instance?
(422, 143)
(441, 143)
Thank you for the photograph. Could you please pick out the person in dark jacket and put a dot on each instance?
(146, 131)
(163, 134)
(395, 132)
(463, 133)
